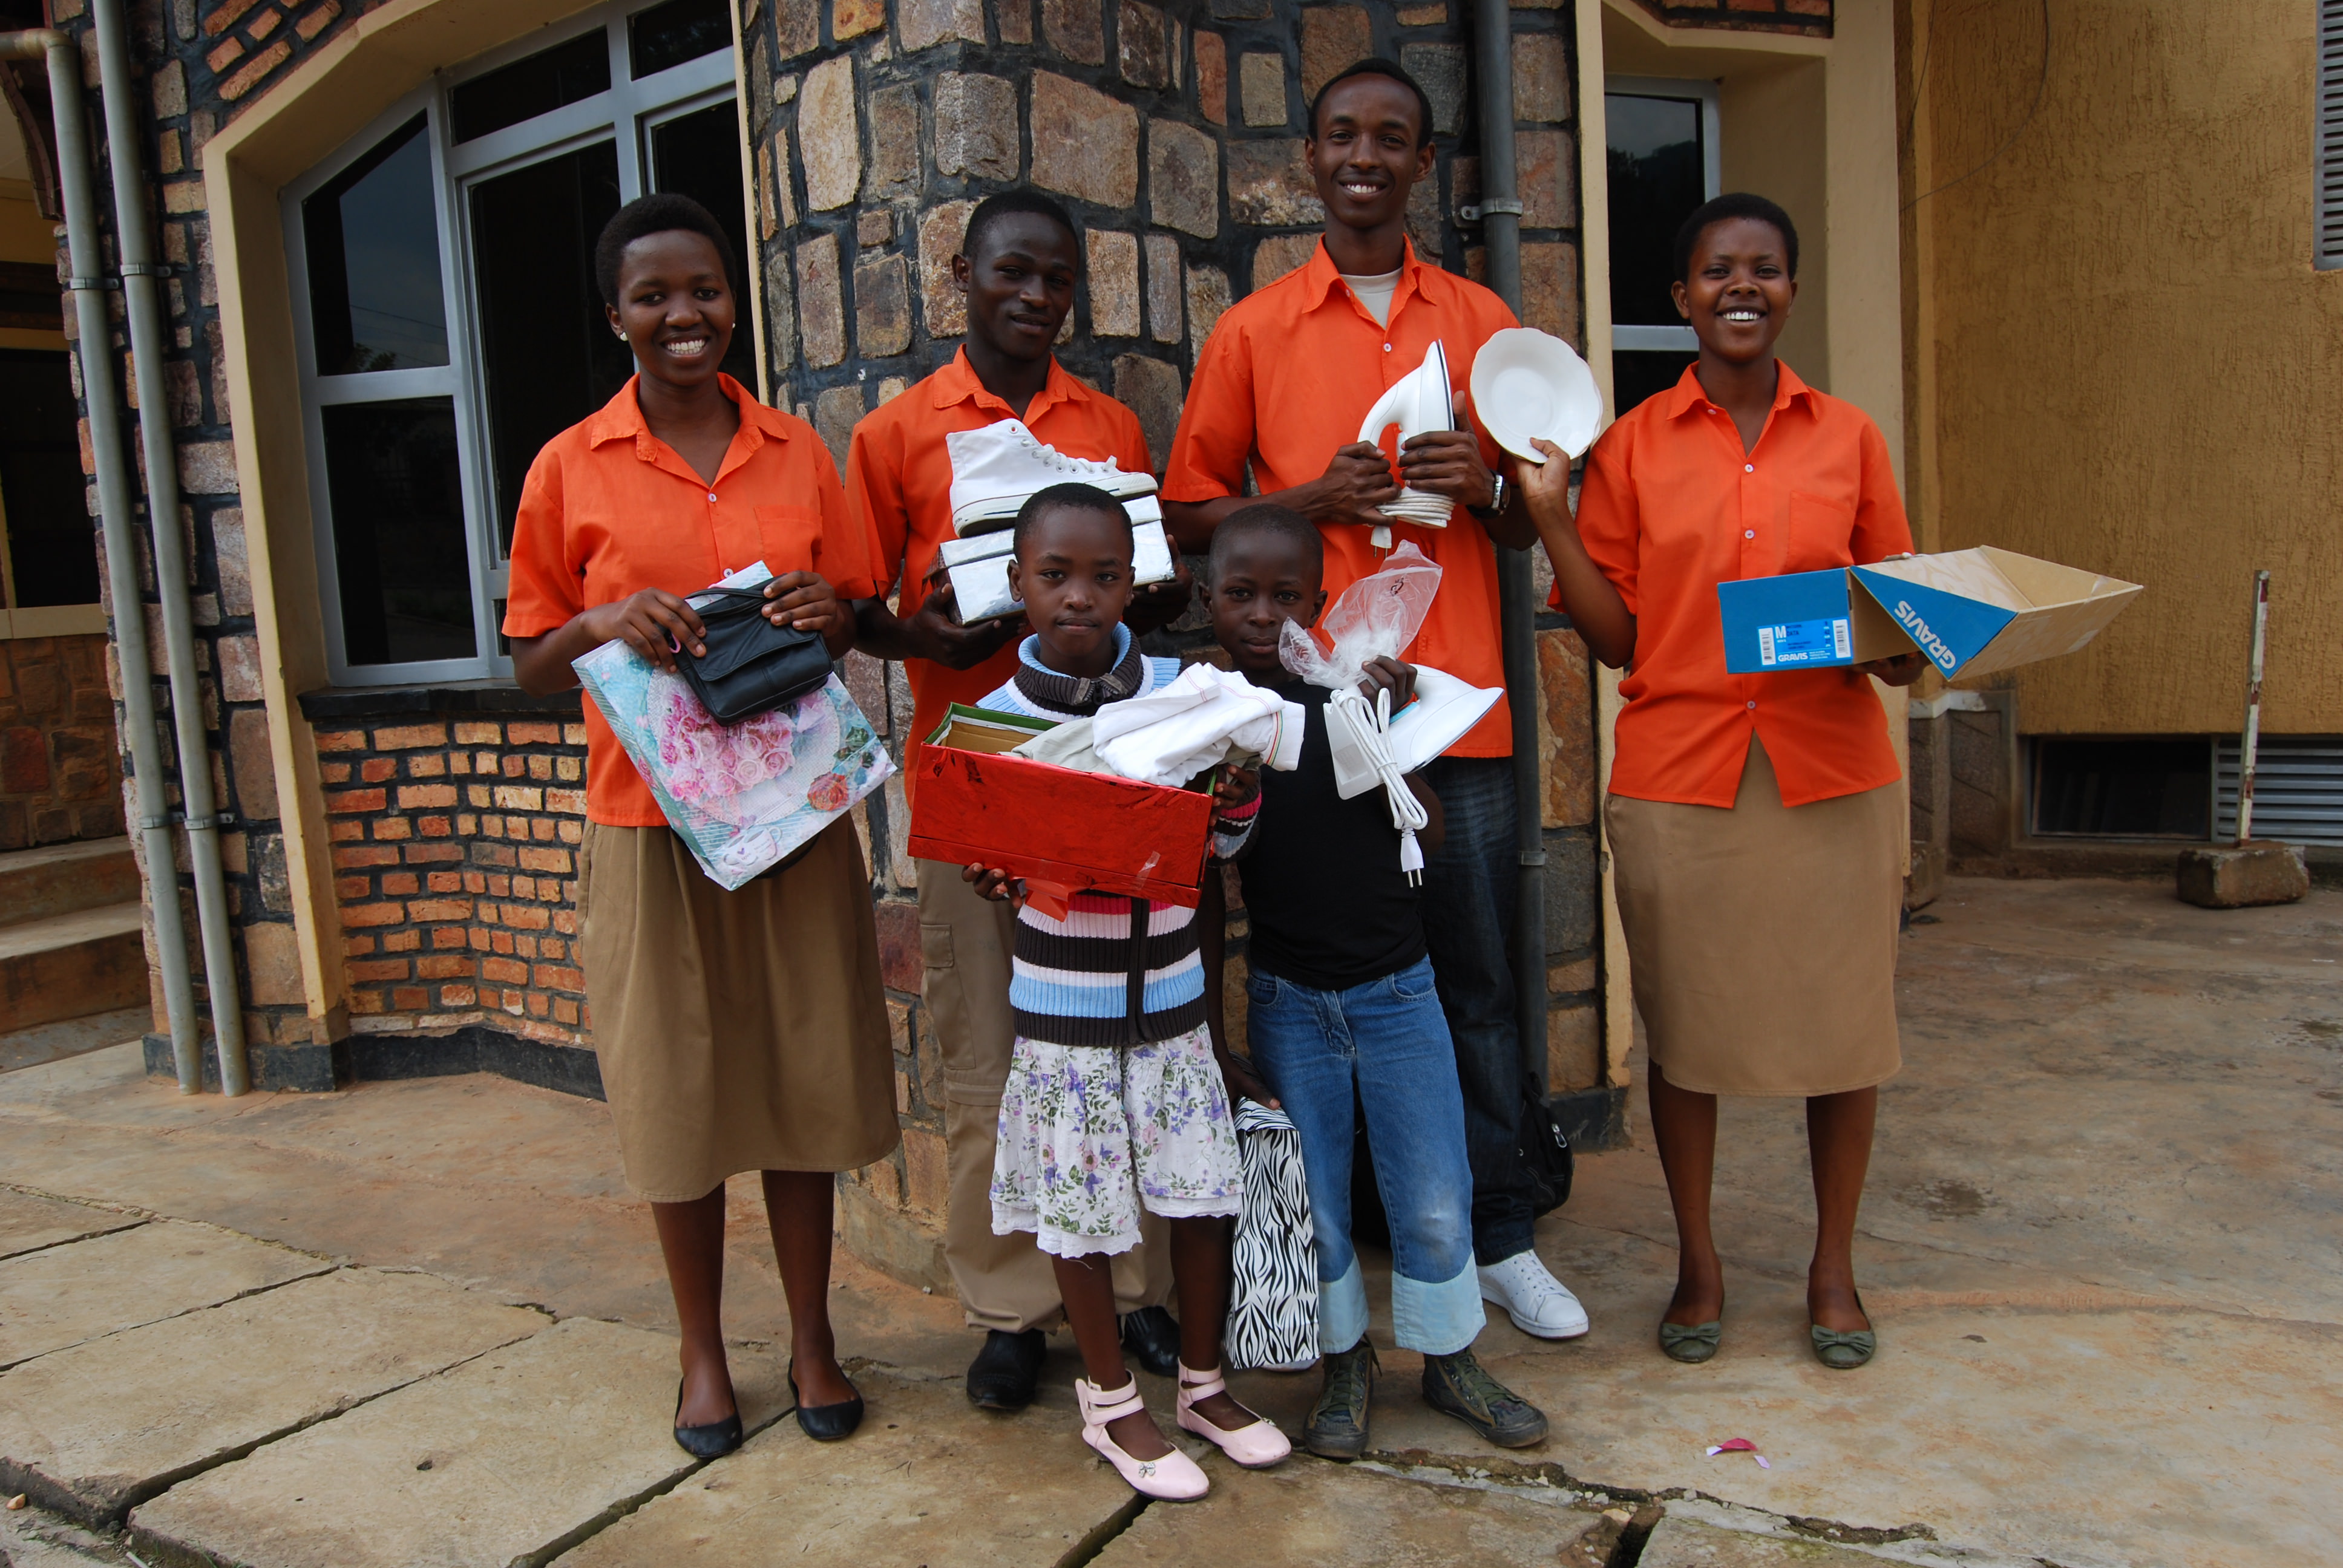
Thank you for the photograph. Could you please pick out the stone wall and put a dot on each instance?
(59, 778)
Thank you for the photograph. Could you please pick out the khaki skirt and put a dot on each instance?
(1762, 940)
(737, 1031)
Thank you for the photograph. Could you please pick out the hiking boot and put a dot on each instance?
(1338, 1422)
(1456, 1385)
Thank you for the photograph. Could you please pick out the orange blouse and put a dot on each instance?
(1672, 505)
(610, 509)
(1285, 378)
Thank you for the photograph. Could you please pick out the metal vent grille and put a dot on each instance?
(2297, 783)
(2327, 238)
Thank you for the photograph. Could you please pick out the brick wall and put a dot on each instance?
(454, 845)
(59, 778)
(1812, 18)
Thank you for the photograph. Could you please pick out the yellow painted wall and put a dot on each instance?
(2125, 361)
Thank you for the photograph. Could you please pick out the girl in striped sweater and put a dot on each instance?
(1116, 1097)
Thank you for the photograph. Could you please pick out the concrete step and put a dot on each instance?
(71, 965)
(94, 1431)
(59, 879)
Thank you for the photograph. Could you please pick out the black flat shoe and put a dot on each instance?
(825, 1422)
(1153, 1338)
(1004, 1373)
(713, 1440)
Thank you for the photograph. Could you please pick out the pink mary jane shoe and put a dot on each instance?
(1256, 1447)
(1174, 1478)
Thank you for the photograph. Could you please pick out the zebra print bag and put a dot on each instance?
(1273, 1301)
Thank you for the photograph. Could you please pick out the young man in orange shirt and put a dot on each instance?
(1019, 262)
(1284, 380)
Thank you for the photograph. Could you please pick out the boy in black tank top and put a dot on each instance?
(1341, 1005)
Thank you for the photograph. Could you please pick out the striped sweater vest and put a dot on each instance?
(1116, 970)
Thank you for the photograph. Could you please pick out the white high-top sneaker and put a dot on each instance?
(996, 467)
(1538, 1303)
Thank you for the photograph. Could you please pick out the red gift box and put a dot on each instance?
(1061, 829)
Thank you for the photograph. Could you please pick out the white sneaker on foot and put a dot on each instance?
(1538, 1303)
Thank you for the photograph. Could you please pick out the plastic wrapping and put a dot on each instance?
(1376, 617)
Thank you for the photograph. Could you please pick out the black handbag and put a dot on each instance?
(751, 665)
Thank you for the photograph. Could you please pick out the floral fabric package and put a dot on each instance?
(744, 796)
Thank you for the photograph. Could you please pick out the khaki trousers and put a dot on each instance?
(1004, 1281)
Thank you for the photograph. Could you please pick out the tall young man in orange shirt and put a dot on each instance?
(1284, 380)
(1019, 262)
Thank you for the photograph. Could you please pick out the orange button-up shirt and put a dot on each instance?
(1670, 508)
(899, 476)
(610, 509)
(1286, 378)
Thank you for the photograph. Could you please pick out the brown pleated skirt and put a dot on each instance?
(1762, 940)
(737, 1031)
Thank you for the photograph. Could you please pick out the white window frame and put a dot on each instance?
(1639, 336)
(624, 115)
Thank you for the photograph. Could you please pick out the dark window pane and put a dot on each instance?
(2127, 789)
(1657, 179)
(397, 495)
(671, 34)
(1638, 373)
(548, 350)
(52, 543)
(528, 88)
(698, 155)
(373, 261)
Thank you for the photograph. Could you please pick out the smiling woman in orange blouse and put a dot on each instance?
(1752, 818)
(739, 1030)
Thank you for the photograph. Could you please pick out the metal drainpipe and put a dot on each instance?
(142, 281)
(114, 505)
(1500, 219)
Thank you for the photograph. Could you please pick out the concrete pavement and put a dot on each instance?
(2101, 1247)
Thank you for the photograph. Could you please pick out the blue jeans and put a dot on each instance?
(1386, 1043)
(1468, 922)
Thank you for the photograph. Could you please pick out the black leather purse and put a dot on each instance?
(751, 665)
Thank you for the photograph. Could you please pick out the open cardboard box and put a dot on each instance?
(1971, 612)
(1059, 829)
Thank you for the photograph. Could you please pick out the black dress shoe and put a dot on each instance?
(1004, 1372)
(1153, 1338)
(713, 1440)
(825, 1422)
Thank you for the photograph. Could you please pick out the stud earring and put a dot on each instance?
(622, 335)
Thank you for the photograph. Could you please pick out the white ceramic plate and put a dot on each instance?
(1528, 385)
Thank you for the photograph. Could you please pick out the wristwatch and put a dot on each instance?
(1496, 498)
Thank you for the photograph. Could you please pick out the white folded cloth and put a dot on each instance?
(1170, 735)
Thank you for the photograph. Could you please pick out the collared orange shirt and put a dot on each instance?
(610, 509)
(899, 475)
(1286, 378)
(1671, 506)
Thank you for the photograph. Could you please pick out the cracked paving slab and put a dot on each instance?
(1308, 1511)
(63, 1295)
(95, 1429)
(928, 1479)
(1683, 1544)
(509, 1458)
(29, 1222)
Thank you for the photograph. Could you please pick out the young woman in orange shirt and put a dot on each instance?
(1752, 818)
(740, 1031)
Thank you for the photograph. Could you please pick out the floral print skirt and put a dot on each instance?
(1089, 1134)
